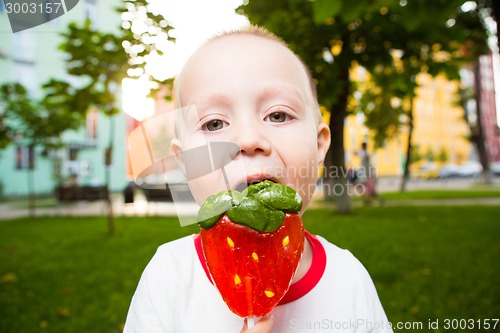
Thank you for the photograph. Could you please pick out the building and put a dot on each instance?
(31, 57)
(439, 130)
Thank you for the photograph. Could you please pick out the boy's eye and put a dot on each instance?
(278, 117)
(213, 125)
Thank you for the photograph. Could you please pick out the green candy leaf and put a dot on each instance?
(261, 206)
(253, 215)
(282, 198)
(215, 206)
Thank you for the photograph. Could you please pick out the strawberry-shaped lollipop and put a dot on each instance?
(252, 242)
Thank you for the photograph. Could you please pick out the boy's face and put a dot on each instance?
(255, 93)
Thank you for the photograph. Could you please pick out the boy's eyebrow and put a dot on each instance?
(222, 99)
(275, 90)
(211, 99)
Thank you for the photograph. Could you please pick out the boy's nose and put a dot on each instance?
(252, 140)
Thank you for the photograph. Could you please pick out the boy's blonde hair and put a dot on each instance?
(258, 31)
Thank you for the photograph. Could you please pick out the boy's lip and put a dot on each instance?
(253, 179)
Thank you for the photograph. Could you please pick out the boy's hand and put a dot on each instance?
(264, 325)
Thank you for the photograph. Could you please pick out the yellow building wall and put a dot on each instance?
(438, 125)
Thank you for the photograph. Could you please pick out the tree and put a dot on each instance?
(333, 37)
(102, 60)
(487, 11)
(330, 46)
(443, 155)
(35, 124)
(145, 36)
(439, 47)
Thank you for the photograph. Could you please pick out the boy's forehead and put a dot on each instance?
(249, 44)
(222, 52)
(245, 42)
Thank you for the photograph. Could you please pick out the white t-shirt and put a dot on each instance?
(176, 295)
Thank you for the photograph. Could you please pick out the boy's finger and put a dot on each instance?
(245, 326)
(264, 325)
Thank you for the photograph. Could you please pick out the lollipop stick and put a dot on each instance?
(250, 322)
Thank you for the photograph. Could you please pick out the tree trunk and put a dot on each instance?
(31, 193)
(409, 147)
(336, 186)
(479, 133)
(108, 163)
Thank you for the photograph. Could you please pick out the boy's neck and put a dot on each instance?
(305, 261)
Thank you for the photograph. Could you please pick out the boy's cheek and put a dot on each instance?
(203, 187)
(200, 188)
(193, 139)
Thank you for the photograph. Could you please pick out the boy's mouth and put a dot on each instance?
(254, 179)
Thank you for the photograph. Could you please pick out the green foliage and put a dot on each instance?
(16, 105)
(98, 59)
(360, 40)
(4, 131)
(384, 101)
(358, 34)
(35, 122)
(429, 155)
(435, 47)
(102, 60)
(443, 155)
(415, 154)
(139, 41)
(429, 35)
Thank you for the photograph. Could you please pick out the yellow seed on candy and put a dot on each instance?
(269, 293)
(230, 242)
(255, 256)
(237, 279)
(286, 240)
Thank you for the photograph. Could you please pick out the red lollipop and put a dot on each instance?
(253, 250)
(253, 270)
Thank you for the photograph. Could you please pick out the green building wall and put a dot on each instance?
(48, 62)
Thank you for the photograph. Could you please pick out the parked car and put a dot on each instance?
(470, 169)
(449, 170)
(429, 170)
(495, 168)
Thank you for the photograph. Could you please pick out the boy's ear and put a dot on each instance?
(323, 142)
(176, 149)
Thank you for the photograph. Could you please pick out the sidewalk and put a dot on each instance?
(141, 207)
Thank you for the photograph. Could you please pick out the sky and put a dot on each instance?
(194, 21)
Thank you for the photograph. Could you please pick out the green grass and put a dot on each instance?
(426, 262)
(67, 275)
(443, 194)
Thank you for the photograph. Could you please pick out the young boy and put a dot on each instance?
(250, 89)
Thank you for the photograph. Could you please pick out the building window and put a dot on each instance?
(24, 47)
(91, 124)
(24, 73)
(73, 153)
(25, 157)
